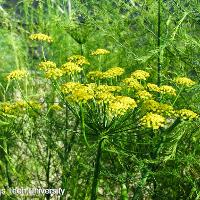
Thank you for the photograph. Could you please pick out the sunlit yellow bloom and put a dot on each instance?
(18, 107)
(100, 52)
(113, 72)
(13, 107)
(77, 92)
(120, 105)
(104, 97)
(47, 65)
(151, 105)
(17, 74)
(184, 81)
(187, 114)
(140, 75)
(93, 75)
(71, 68)
(152, 120)
(69, 87)
(166, 89)
(107, 88)
(53, 73)
(133, 83)
(153, 87)
(144, 95)
(78, 59)
(6, 107)
(166, 109)
(41, 37)
(81, 94)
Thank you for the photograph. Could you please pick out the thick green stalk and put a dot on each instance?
(158, 43)
(83, 124)
(96, 171)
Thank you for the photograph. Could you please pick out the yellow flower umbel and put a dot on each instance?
(120, 105)
(113, 72)
(100, 52)
(153, 87)
(41, 37)
(47, 65)
(187, 114)
(95, 75)
(67, 88)
(153, 121)
(184, 81)
(166, 89)
(71, 68)
(77, 92)
(166, 110)
(81, 94)
(78, 59)
(13, 108)
(144, 95)
(17, 74)
(104, 97)
(151, 105)
(107, 88)
(133, 83)
(53, 73)
(140, 75)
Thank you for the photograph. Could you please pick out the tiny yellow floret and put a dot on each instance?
(153, 121)
(17, 74)
(184, 81)
(100, 52)
(41, 37)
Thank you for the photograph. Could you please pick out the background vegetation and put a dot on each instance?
(64, 148)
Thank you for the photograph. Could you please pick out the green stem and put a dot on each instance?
(177, 96)
(158, 43)
(97, 170)
(83, 124)
(43, 54)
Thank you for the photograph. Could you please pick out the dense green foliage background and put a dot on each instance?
(38, 153)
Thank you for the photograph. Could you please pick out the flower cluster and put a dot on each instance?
(110, 73)
(68, 87)
(47, 65)
(140, 75)
(153, 120)
(93, 75)
(77, 92)
(71, 68)
(187, 114)
(78, 59)
(107, 88)
(17, 74)
(53, 73)
(159, 108)
(12, 108)
(103, 93)
(100, 52)
(144, 95)
(120, 105)
(113, 72)
(41, 37)
(153, 87)
(133, 83)
(18, 107)
(166, 89)
(184, 81)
